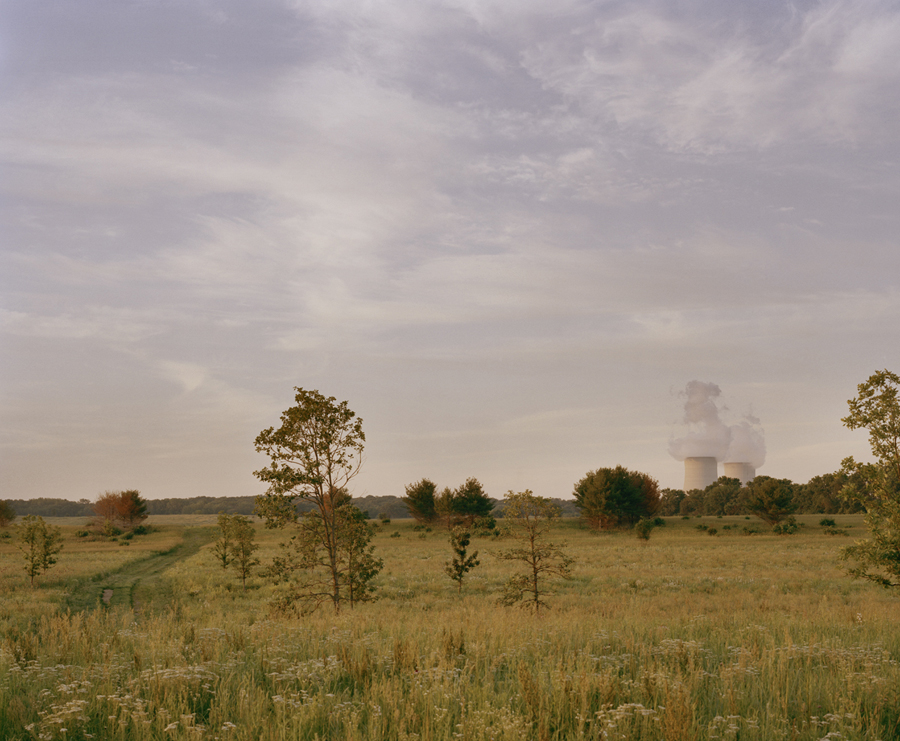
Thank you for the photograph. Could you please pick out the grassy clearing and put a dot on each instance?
(687, 636)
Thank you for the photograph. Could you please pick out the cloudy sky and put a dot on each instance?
(507, 232)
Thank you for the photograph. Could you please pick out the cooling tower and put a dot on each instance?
(742, 471)
(699, 472)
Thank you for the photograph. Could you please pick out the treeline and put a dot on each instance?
(726, 496)
(373, 507)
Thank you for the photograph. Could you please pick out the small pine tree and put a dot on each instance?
(222, 547)
(528, 519)
(461, 563)
(40, 543)
(242, 547)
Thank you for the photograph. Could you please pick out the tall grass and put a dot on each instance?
(685, 637)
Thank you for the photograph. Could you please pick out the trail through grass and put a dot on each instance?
(138, 583)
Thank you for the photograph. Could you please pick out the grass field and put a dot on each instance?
(687, 636)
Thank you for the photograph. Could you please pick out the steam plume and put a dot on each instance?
(708, 436)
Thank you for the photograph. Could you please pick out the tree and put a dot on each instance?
(132, 508)
(528, 519)
(315, 453)
(465, 505)
(40, 543)
(222, 547)
(126, 509)
(616, 497)
(419, 500)
(304, 569)
(461, 563)
(242, 547)
(362, 564)
(877, 409)
(7, 513)
(771, 500)
(723, 496)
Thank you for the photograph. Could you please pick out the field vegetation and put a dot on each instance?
(684, 636)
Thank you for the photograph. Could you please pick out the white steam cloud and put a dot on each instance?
(708, 436)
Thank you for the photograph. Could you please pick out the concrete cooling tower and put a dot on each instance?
(700, 472)
(744, 472)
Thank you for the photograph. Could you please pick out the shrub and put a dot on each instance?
(827, 522)
(711, 531)
(788, 527)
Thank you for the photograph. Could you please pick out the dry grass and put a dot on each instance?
(688, 636)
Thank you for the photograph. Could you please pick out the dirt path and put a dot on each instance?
(140, 584)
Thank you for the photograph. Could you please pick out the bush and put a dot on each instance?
(827, 522)
(711, 531)
(659, 522)
(395, 534)
(142, 530)
(643, 528)
(788, 527)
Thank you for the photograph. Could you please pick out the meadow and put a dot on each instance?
(685, 636)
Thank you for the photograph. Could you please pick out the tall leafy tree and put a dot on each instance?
(528, 519)
(420, 501)
(877, 409)
(40, 543)
(616, 497)
(771, 500)
(315, 453)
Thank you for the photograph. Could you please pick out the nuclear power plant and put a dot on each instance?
(744, 472)
(707, 439)
(699, 472)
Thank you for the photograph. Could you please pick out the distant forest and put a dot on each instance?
(821, 495)
(374, 507)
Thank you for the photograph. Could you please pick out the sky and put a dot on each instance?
(508, 233)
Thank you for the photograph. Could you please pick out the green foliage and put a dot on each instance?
(644, 527)
(221, 548)
(39, 543)
(670, 502)
(463, 506)
(827, 522)
(770, 499)
(461, 563)
(314, 454)
(7, 513)
(877, 409)
(788, 527)
(528, 519)
(616, 497)
(305, 569)
(420, 501)
(242, 547)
